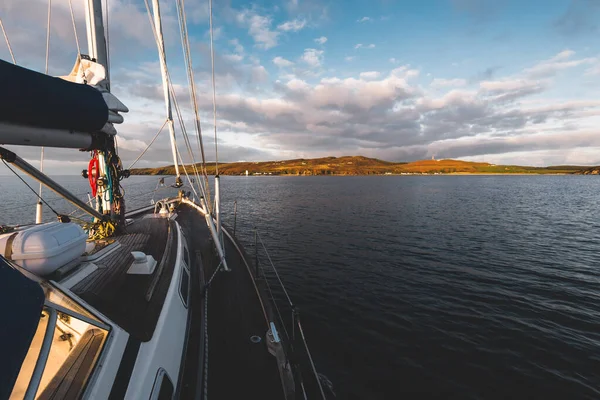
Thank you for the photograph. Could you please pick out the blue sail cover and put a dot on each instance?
(21, 302)
(30, 98)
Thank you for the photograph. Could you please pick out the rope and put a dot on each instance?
(150, 144)
(214, 95)
(30, 188)
(74, 27)
(205, 386)
(8, 43)
(213, 276)
(99, 230)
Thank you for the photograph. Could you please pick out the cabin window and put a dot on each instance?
(71, 349)
(184, 286)
(186, 258)
(163, 387)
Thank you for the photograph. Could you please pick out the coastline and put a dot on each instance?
(364, 166)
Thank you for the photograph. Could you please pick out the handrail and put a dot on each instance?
(295, 313)
(274, 269)
(40, 364)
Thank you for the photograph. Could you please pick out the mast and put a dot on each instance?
(95, 33)
(108, 195)
(165, 79)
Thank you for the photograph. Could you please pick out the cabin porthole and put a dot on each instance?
(255, 339)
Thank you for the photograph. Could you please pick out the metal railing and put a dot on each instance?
(306, 377)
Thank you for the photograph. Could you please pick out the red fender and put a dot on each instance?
(94, 174)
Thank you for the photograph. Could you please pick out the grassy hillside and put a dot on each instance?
(589, 171)
(359, 165)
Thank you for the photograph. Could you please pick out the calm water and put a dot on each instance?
(437, 286)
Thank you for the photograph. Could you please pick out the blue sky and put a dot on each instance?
(502, 82)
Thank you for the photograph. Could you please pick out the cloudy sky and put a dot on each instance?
(495, 81)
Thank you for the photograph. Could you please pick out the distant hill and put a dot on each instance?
(359, 165)
(589, 171)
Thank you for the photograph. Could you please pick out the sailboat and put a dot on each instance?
(160, 302)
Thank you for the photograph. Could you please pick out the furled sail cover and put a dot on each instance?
(21, 300)
(31, 98)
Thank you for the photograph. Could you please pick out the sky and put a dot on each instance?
(504, 82)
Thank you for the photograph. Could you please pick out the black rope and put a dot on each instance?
(34, 192)
(205, 288)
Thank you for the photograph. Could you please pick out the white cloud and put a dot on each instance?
(557, 63)
(595, 70)
(298, 85)
(321, 40)
(370, 75)
(233, 57)
(507, 85)
(440, 82)
(313, 57)
(259, 27)
(364, 19)
(364, 46)
(259, 74)
(131, 144)
(236, 45)
(293, 26)
(387, 115)
(282, 62)
(217, 33)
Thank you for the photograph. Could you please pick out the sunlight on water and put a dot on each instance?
(445, 286)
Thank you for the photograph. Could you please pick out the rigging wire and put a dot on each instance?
(30, 188)
(274, 269)
(150, 144)
(187, 143)
(8, 43)
(74, 26)
(214, 95)
(175, 103)
(52, 201)
(46, 72)
(182, 18)
(107, 41)
(48, 35)
(185, 172)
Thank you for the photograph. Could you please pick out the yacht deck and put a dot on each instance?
(133, 302)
